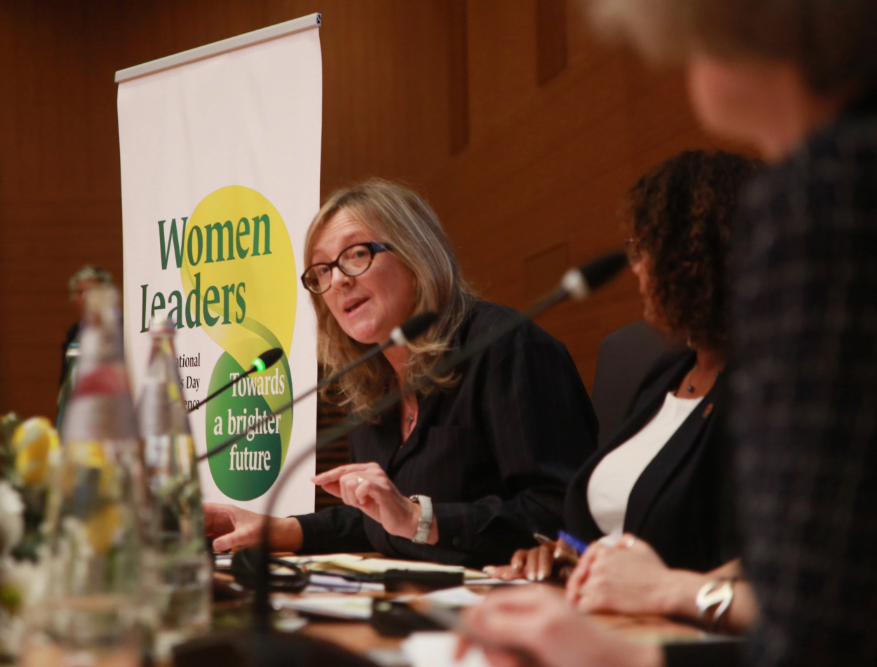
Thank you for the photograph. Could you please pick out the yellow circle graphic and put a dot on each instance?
(239, 274)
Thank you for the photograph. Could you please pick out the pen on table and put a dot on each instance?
(543, 540)
(578, 547)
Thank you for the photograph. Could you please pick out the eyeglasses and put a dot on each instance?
(352, 261)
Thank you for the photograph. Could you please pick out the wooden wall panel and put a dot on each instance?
(502, 62)
(547, 166)
(551, 39)
(443, 94)
(386, 106)
(458, 74)
(59, 187)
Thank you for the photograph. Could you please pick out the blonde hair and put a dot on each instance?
(398, 217)
(830, 41)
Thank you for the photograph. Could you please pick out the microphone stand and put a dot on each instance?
(372, 352)
(253, 369)
(268, 649)
(401, 335)
(576, 284)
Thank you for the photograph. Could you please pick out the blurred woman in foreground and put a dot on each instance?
(799, 81)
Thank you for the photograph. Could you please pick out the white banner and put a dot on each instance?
(220, 150)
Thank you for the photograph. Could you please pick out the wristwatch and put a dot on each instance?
(421, 535)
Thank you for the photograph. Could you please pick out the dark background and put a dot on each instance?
(520, 128)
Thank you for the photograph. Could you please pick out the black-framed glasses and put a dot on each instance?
(352, 261)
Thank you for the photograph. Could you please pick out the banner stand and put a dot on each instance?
(223, 46)
(220, 156)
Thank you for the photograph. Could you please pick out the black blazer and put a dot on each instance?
(678, 504)
(495, 452)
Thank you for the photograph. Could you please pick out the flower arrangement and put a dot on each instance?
(29, 450)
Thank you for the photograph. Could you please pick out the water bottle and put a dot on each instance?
(90, 610)
(179, 570)
(71, 356)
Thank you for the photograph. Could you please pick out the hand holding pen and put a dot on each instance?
(568, 548)
(552, 559)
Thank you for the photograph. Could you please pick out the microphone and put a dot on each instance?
(600, 271)
(576, 284)
(409, 330)
(264, 647)
(265, 360)
(406, 332)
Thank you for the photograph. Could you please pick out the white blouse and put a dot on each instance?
(614, 477)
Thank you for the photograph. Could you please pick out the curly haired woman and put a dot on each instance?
(797, 80)
(657, 477)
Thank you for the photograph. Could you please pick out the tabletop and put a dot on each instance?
(360, 637)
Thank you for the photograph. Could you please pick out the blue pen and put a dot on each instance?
(579, 546)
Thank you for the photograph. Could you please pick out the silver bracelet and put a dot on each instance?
(424, 525)
(718, 593)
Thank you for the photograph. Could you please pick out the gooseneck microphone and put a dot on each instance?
(409, 330)
(576, 284)
(265, 360)
(260, 646)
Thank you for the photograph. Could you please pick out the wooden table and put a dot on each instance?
(360, 637)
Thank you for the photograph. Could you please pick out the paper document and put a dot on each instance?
(353, 607)
(459, 596)
(222, 561)
(341, 559)
(381, 565)
(318, 583)
(436, 649)
(497, 582)
(349, 562)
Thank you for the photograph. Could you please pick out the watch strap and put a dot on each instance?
(424, 525)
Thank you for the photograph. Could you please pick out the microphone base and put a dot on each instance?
(249, 648)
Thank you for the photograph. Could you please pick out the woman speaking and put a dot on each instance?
(463, 472)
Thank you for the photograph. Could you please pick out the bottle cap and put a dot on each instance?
(161, 324)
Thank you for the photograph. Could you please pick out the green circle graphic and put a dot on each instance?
(247, 469)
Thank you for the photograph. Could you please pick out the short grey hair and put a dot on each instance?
(830, 41)
(89, 272)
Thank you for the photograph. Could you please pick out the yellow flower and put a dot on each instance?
(102, 526)
(36, 449)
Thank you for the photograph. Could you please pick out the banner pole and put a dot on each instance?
(222, 46)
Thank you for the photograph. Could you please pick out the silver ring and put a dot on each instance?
(359, 480)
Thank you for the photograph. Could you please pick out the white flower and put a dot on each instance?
(11, 518)
(23, 576)
(19, 581)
